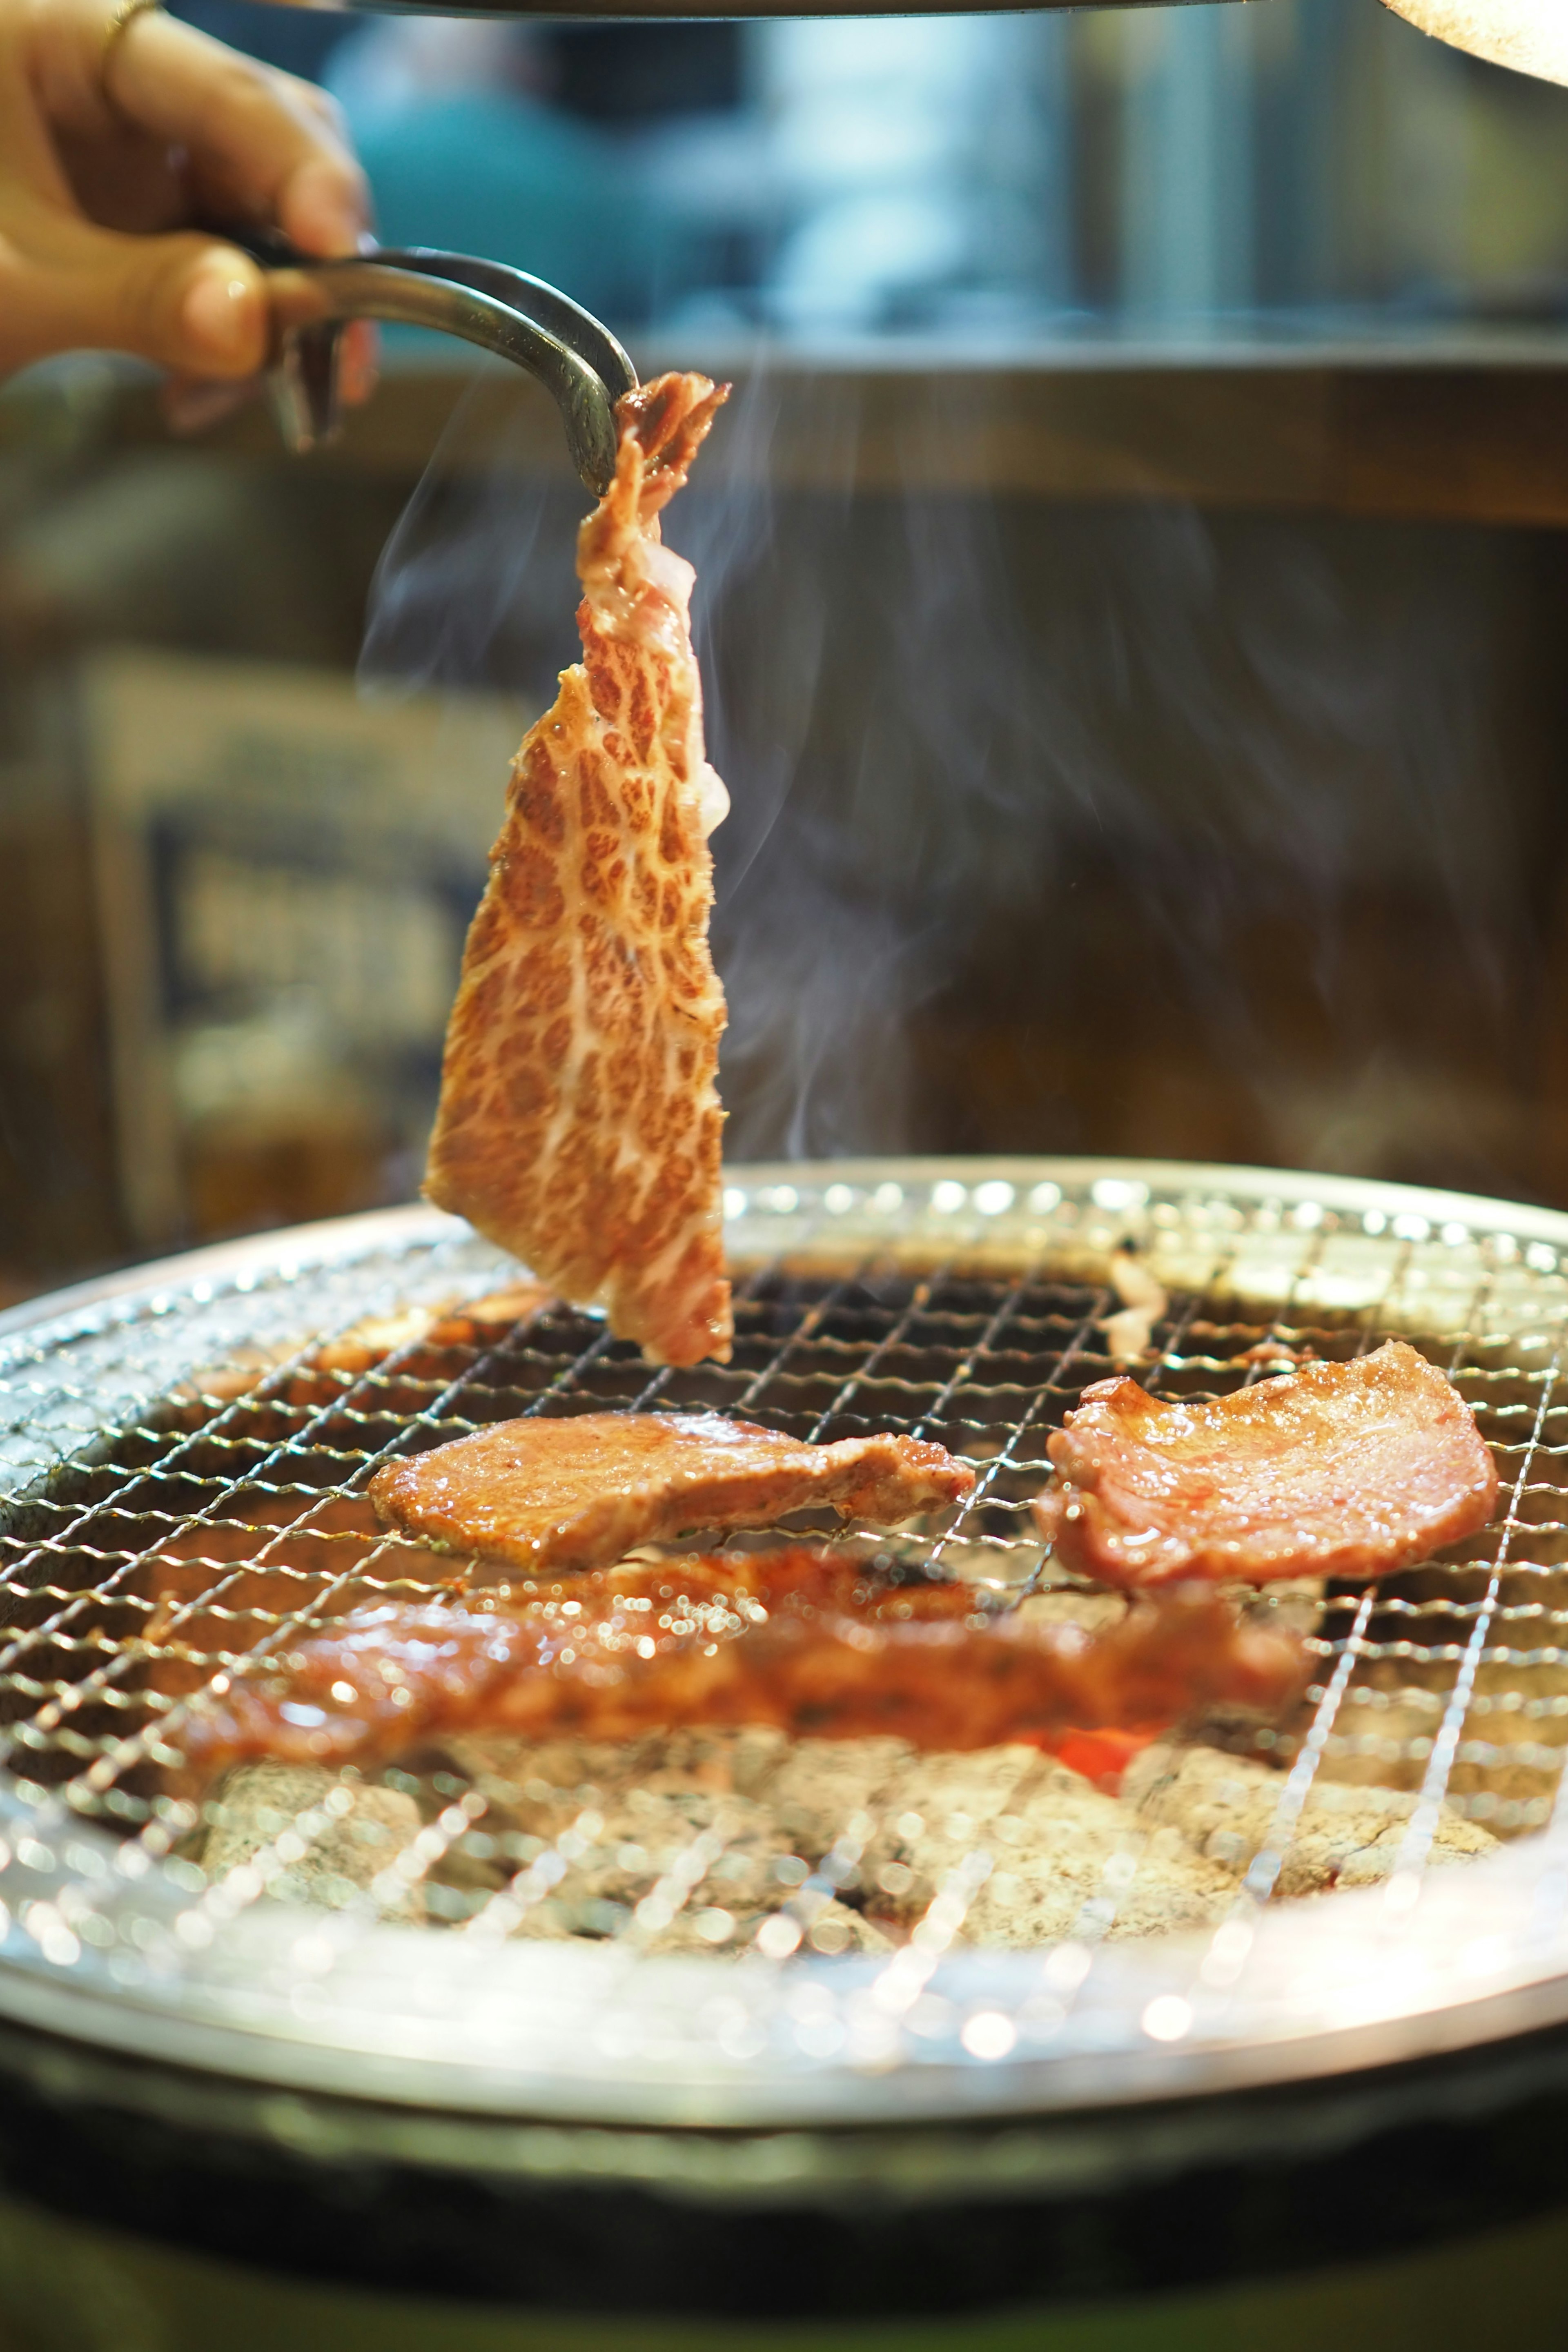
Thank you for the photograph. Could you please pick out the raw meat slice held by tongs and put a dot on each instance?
(579, 1123)
(504, 310)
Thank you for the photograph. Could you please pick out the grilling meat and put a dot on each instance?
(579, 1124)
(580, 1493)
(1337, 1470)
(801, 1639)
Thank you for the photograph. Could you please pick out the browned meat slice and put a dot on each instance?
(455, 1323)
(1336, 1470)
(335, 1363)
(579, 1493)
(579, 1124)
(801, 1639)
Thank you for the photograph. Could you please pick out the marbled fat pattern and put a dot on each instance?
(579, 1123)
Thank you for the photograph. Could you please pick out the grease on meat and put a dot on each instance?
(1340, 1469)
(583, 1492)
(802, 1640)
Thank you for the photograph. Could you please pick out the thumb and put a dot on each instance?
(184, 301)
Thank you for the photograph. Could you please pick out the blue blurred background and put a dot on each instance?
(1136, 170)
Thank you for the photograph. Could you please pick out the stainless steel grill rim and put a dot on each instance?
(119, 1941)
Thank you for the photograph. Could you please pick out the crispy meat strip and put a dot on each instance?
(581, 1492)
(800, 1639)
(334, 1362)
(579, 1123)
(455, 1323)
(1337, 1470)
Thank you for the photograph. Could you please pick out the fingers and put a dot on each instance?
(184, 301)
(193, 404)
(279, 146)
(157, 123)
(358, 363)
(275, 147)
(199, 307)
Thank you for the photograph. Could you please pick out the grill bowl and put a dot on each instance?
(964, 1298)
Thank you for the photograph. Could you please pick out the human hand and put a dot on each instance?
(116, 134)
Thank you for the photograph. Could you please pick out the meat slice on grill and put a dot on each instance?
(1337, 1470)
(582, 1492)
(579, 1122)
(802, 1640)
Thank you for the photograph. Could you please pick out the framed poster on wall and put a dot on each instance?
(285, 872)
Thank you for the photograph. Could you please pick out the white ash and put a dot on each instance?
(695, 1841)
(348, 1834)
(1224, 1808)
(676, 1840)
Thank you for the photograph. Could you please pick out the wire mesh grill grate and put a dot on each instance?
(186, 1496)
(229, 1521)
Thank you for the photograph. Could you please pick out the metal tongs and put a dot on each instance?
(504, 310)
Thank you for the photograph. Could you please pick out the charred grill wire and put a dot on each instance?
(209, 1521)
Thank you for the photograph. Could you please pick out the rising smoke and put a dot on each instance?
(951, 724)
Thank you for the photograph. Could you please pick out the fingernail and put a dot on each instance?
(319, 214)
(358, 370)
(216, 313)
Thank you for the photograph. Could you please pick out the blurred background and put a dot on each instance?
(1131, 591)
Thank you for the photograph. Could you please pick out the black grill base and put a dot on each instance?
(1410, 2159)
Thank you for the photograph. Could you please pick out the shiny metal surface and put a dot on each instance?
(114, 1941)
(501, 309)
(633, 11)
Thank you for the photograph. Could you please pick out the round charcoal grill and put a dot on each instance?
(447, 2057)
